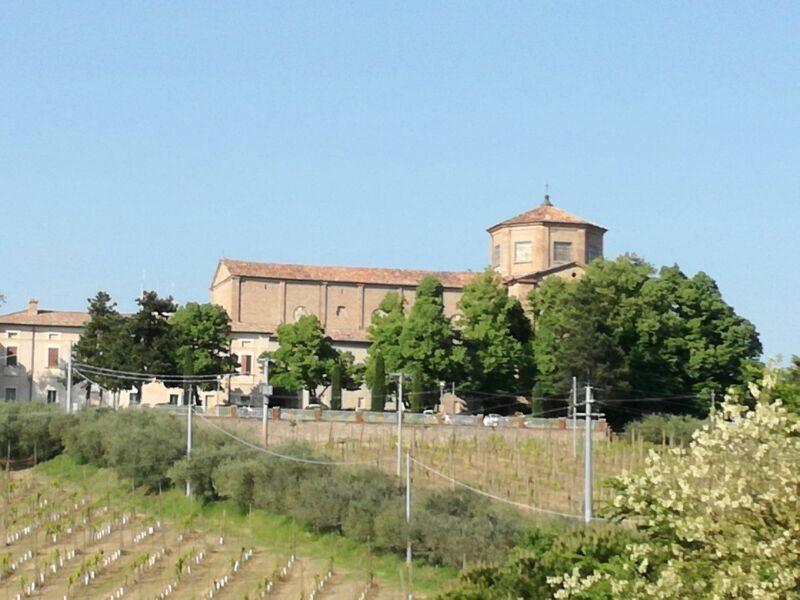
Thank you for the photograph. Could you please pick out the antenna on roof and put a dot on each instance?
(546, 201)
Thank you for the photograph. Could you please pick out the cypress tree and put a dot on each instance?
(417, 392)
(378, 384)
(336, 387)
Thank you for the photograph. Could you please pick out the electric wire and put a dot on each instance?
(493, 496)
(278, 454)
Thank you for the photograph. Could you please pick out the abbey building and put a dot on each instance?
(544, 242)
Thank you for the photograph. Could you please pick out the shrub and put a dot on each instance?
(663, 428)
(542, 554)
(720, 519)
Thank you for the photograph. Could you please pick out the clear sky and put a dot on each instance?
(147, 140)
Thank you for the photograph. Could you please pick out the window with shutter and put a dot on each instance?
(52, 358)
(246, 364)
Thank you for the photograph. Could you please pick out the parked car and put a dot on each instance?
(244, 410)
(492, 420)
(315, 405)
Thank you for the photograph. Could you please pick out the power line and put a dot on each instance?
(493, 496)
(277, 454)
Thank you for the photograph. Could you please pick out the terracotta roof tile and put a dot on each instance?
(405, 277)
(52, 318)
(545, 213)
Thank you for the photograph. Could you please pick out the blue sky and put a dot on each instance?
(155, 138)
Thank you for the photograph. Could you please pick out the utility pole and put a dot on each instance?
(441, 395)
(400, 376)
(574, 394)
(266, 391)
(188, 434)
(69, 378)
(408, 523)
(587, 459)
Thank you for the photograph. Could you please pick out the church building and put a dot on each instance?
(544, 242)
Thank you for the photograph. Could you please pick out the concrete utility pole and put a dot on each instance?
(400, 408)
(408, 523)
(266, 392)
(587, 459)
(574, 394)
(69, 378)
(188, 434)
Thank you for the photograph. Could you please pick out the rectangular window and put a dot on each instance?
(133, 398)
(52, 396)
(246, 364)
(522, 252)
(496, 256)
(11, 394)
(11, 356)
(173, 399)
(562, 252)
(593, 252)
(52, 358)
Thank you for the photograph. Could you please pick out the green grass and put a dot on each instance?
(276, 533)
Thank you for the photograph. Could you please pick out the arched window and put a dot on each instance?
(300, 311)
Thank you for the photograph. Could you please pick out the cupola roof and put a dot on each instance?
(546, 213)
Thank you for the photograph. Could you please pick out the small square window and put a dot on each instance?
(341, 311)
(173, 399)
(522, 252)
(133, 398)
(11, 394)
(562, 252)
(12, 334)
(53, 336)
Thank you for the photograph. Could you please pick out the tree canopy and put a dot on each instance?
(202, 340)
(635, 333)
(306, 359)
(496, 335)
(384, 336)
(427, 342)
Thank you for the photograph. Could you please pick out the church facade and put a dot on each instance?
(544, 242)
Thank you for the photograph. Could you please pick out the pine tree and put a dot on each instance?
(378, 384)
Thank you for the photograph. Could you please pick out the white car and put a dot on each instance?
(492, 420)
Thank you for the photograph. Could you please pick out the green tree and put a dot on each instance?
(637, 334)
(305, 356)
(384, 336)
(496, 335)
(419, 394)
(150, 338)
(336, 386)
(202, 341)
(427, 340)
(103, 342)
(378, 389)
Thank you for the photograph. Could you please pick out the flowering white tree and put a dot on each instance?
(721, 519)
